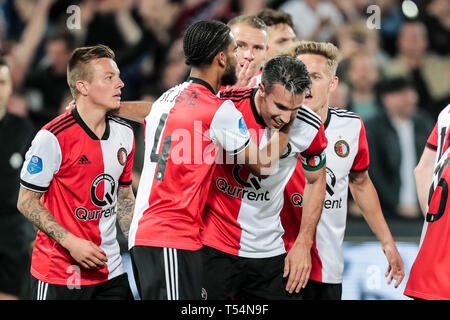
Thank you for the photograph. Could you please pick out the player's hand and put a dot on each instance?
(297, 265)
(395, 269)
(86, 253)
(244, 75)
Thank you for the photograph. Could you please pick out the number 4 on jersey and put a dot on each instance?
(161, 158)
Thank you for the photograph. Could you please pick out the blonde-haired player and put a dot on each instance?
(347, 164)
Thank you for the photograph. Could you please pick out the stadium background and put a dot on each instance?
(37, 36)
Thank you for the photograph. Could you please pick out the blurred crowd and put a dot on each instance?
(395, 71)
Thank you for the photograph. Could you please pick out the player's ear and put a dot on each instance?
(262, 90)
(82, 87)
(334, 83)
(222, 59)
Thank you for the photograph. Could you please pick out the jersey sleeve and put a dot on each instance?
(127, 175)
(308, 138)
(304, 129)
(229, 130)
(432, 141)
(314, 157)
(42, 161)
(362, 159)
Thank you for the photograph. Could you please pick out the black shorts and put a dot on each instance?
(167, 273)
(116, 288)
(315, 290)
(232, 277)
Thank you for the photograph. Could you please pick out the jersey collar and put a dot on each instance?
(89, 132)
(327, 122)
(257, 116)
(202, 82)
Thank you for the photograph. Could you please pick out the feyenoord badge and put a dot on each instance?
(122, 156)
(342, 148)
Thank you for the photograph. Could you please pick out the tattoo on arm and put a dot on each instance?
(30, 206)
(125, 208)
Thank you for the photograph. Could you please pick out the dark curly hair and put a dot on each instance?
(203, 40)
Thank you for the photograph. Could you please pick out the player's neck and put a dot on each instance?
(208, 75)
(94, 117)
(323, 113)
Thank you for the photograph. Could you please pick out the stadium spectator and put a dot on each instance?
(313, 19)
(15, 232)
(396, 137)
(46, 85)
(436, 17)
(363, 76)
(429, 72)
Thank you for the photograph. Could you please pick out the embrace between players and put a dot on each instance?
(251, 226)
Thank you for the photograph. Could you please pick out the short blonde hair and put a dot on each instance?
(325, 49)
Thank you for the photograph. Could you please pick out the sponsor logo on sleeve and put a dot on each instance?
(242, 126)
(35, 165)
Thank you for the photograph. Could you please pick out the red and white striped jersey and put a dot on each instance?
(183, 132)
(80, 176)
(241, 215)
(430, 274)
(347, 152)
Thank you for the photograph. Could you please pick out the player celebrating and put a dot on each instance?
(252, 39)
(75, 181)
(185, 126)
(429, 277)
(347, 164)
(244, 253)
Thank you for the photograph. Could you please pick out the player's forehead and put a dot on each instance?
(281, 29)
(282, 96)
(314, 62)
(245, 33)
(104, 65)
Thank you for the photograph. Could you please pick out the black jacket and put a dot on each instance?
(385, 155)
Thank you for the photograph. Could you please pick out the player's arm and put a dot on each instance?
(86, 253)
(298, 261)
(424, 175)
(262, 162)
(125, 208)
(134, 110)
(229, 130)
(366, 197)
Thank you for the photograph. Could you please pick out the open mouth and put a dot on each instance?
(308, 96)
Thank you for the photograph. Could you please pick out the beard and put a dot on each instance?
(229, 78)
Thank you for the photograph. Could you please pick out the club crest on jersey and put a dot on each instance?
(35, 165)
(342, 148)
(122, 156)
(242, 126)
